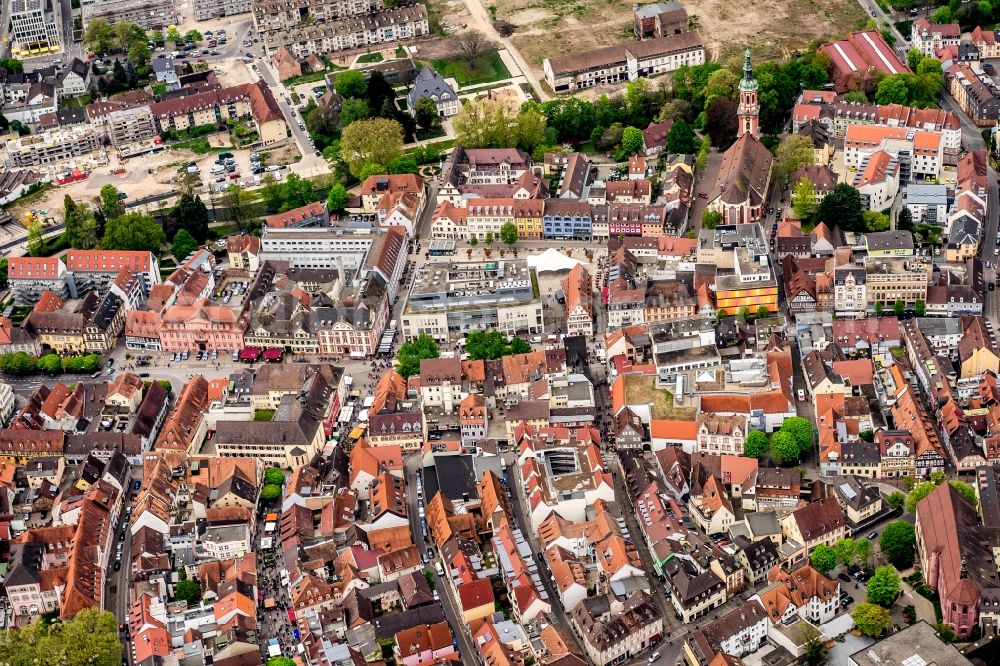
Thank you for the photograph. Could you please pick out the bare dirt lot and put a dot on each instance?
(772, 28)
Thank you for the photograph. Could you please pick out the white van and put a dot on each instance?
(218, 168)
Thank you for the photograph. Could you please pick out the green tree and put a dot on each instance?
(111, 202)
(508, 234)
(411, 353)
(856, 97)
(50, 364)
(274, 476)
(90, 638)
(490, 345)
(133, 231)
(372, 169)
(353, 109)
(99, 36)
(843, 208)
(871, 620)
(896, 499)
(270, 492)
(373, 141)
(883, 587)
(297, 192)
(192, 215)
(762, 312)
(879, 308)
(794, 152)
(756, 444)
(784, 448)
(897, 543)
(631, 143)
(721, 83)
(710, 218)
(965, 490)
(681, 138)
(403, 164)
(875, 220)
(337, 198)
(280, 661)
(942, 15)
(867, 435)
(238, 203)
(823, 558)
(271, 192)
(813, 652)
(846, 550)
(351, 83)
(899, 308)
(920, 307)
(804, 200)
(801, 430)
(913, 58)
(193, 36)
(862, 549)
(425, 112)
(489, 239)
(13, 65)
(920, 491)
(323, 122)
(189, 591)
(174, 35)
(36, 244)
(184, 244)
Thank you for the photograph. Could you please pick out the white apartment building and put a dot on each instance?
(223, 542)
(34, 27)
(877, 179)
(920, 153)
(389, 26)
(6, 402)
(270, 15)
(147, 14)
(205, 10)
(327, 248)
(850, 298)
(52, 147)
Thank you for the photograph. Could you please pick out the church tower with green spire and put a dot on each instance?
(748, 110)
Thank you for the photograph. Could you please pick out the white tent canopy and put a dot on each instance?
(551, 260)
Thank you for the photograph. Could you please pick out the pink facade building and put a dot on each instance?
(201, 327)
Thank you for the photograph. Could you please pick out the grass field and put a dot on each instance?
(489, 69)
(370, 57)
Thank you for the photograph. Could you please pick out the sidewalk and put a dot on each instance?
(923, 607)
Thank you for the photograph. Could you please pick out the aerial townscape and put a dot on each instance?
(499, 333)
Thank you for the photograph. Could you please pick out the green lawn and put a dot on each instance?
(489, 69)
(370, 57)
(199, 146)
(263, 415)
(312, 76)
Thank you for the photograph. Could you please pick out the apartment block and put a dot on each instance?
(34, 27)
(975, 93)
(389, 26)
(919, 153)
(205, 10)
(147, 14)
(624, 62)
(928, 37)
(330, 248)
(272, 15)
(452, 298)
(52, 147)
(127, 127)
(891, 279)
(837, 117)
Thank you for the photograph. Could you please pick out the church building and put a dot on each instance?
(740, 192)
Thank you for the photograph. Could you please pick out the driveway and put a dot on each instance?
(704, 182)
